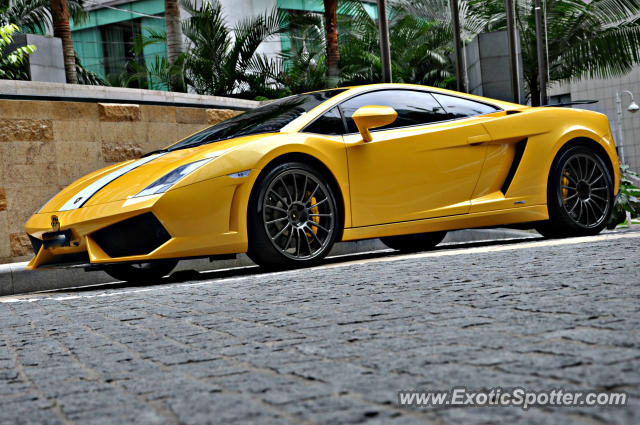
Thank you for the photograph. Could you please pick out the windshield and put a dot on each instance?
(269, 118)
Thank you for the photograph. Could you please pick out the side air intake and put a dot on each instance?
(520, 146)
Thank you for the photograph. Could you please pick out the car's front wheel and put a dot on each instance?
(414, 243)
(579, 195)
(143, 272)
(293, 217)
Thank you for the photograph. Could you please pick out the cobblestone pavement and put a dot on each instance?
(334, 344)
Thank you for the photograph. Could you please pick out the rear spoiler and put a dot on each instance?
(575, 102)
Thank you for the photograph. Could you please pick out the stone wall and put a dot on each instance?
(47, 144)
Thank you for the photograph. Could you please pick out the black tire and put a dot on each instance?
(579, 194)
(414, 243)
(293, 218)
(143, 272)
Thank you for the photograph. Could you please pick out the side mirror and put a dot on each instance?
(368, 117)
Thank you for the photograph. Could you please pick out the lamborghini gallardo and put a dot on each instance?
(285, 181)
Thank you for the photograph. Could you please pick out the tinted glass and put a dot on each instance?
(457, 107)
(269, 118)
(413, 107)
(329, 123)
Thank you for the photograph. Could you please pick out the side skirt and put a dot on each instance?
(463, 221)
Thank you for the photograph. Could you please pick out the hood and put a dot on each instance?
(125, 179)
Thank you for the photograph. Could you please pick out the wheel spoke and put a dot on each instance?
(593, 195)
(273, 207)
(597, 178)
(315, 236)
(320, 215)
(570, 197)
(573, 169)
(579, 167)
(580, 211)
(570, 177)
(586, 210)
(312, 194)
(284, 201)
(318, 203)
(598, 188)
(304, 187)
(295, 187)
(288, 240)
(277, 220)
(569, 188)
(286, 189)
(281, 232)
(313, 223)
(574, 206)
(297, 242)
(595, 204)
(306, 239)
(593, 170)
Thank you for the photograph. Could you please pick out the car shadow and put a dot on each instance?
(194, 276)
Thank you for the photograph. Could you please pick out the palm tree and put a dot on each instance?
(35, 15)
(218, 60)
(174, 39)
(420, 53)
(38, 15)
(60, 18)
(597, 38)
(333, 52)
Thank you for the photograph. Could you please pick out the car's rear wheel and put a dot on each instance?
(142, 272)
(414, 243)
(579, 195)
(293, 218)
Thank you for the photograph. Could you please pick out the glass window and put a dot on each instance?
(413, 107)
(458, 107)
(269, 118)
(328, 123)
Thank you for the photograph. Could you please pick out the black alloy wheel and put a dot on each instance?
(579, 195)
(294, 217)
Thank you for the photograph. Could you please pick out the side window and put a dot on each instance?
(413, 107)
(457, 107)
(328, 123)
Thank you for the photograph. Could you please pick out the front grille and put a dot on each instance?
(135, 236)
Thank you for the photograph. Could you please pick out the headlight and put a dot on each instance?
(164, 183)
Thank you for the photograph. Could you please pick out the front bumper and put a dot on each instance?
(197, 224)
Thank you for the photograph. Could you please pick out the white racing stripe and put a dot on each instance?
(442, 253)
(85, 194)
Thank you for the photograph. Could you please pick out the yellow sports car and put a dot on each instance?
(283, 182)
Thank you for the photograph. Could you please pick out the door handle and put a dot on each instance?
(480, 138)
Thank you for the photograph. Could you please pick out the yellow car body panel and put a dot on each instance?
(432, 177)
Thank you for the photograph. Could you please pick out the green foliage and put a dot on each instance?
(218, 60)
(155, 75)
(86, 76)
(597, 38)
(35, 15)
(628, 199)
(419, 54)
(11, 63)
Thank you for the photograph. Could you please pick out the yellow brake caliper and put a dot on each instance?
(565, 183)
(315, 218)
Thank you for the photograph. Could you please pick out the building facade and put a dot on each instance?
(104, 42)
(605, 92)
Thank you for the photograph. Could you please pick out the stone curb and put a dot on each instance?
(15, 279)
